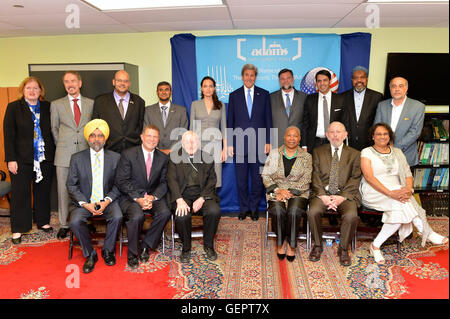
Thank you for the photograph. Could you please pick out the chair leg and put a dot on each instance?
(354, 243)
(308, 236)
(173, 235)
(267, 229)
(163, 244)
(70, 245)
(120, 240)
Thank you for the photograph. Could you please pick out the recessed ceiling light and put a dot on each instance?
(105, 5)
(18, 6)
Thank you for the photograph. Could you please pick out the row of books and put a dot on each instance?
(433, 153)
(431, 178)
(435, 204)
(435, 129)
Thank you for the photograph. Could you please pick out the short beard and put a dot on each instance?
(359, 91)
(96, 146)
(286, 88)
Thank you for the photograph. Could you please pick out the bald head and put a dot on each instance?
(121, 82)
(336, 133)
(190, 142)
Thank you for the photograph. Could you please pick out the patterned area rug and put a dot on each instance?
(245, 269)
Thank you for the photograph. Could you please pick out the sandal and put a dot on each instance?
(437, 239)
(377, 255)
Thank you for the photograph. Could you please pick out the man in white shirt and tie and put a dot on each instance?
(69, 115)
(171, 119)
(320, 110)
(91, 187)
(141, 176)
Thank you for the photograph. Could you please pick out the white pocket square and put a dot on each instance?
(337, 110)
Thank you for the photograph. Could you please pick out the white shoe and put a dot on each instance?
(437, 239)
(377, 255)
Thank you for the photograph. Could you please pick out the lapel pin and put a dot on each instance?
(406, 119)
(131, 102)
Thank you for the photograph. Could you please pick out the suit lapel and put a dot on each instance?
(365, 105)
(84, 112)
(106, 170)
(155, 167)
(352, 107)
(88, 167)
(403, 115)
(343, 161)
(156, 114)
(116, 108)
(389, 112)
(244, 102)
(140, 160)
(171, 114)
(68, 111)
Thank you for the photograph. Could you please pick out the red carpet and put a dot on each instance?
(34, 276)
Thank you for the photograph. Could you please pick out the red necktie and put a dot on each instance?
(76, 111)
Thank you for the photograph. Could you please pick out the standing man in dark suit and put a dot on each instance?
(69, 115)
(124, 113)
(91, 187)
(360, 106)
(405, 116)
(320, 110)
(250, 116)
(335, 185)
(287, 106)
(192, 189)
(167, 117)
(141, 176)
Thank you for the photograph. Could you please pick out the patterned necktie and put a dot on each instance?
(148, 165)
(288, 104)
(164, 114)
(249, 104)
(326, 116)
(96, 180)
(121, 109)
(334, 173)
(76, 111)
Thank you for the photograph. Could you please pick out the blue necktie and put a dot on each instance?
(288, 104)
(249, 104)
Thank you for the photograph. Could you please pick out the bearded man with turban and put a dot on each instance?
(91, 188)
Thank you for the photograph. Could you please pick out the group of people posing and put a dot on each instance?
(119, 159)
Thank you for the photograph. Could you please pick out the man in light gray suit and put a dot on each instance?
(69, 115)
(405, 116)
(166, 116)
(287, 106)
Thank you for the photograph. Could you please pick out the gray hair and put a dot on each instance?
(249, 66)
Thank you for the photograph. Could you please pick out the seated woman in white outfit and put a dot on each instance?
(387, 186)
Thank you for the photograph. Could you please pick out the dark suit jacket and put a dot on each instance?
(18, 129)
(131, 175)
(176, 173)
(358, 131)
(349, 172)
(310, 117)
(261, 116)
(79, 180)
(280, 120)
(124, 133)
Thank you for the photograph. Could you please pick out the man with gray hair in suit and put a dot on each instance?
(287, 106)
(69, 115)
(405, 116)
(167, 116)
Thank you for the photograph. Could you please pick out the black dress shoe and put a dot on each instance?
(133, 262)
(281, 256)
(144, 255)
(315, 253)
(90, 263)
(109, 258)
(242, 215)
(344, 257)
(255, 215)
(16, 241)
(47, 230)
(290, 258)
(62, 233)
(210, 253)
(185, 257)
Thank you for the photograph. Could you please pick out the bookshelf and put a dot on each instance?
(431, 174)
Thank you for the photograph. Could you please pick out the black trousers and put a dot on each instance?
(78, 224)
(22, 214)
(211, 216)
(286, 219)
(134, 216)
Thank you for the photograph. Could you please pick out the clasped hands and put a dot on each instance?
(96, 212)
(146, 202)
(183, 208)
(332, 202)
(402, 195)
(282, 195)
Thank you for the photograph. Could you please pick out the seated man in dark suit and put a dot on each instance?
(335, 185)
(91, 187)
(192, 187)
(141, 176)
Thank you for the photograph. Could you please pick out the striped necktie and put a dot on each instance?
(288, 104)
(96, 180)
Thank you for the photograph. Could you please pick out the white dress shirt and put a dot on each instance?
(71, 98)
(396, 112)
(320, 126)
(291, 96)
(359, 99)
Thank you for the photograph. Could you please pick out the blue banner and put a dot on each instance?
(222, 58)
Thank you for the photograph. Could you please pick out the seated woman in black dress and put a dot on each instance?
(286, 176)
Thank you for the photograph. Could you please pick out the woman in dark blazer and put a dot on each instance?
(287, 176)
(29, 152)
